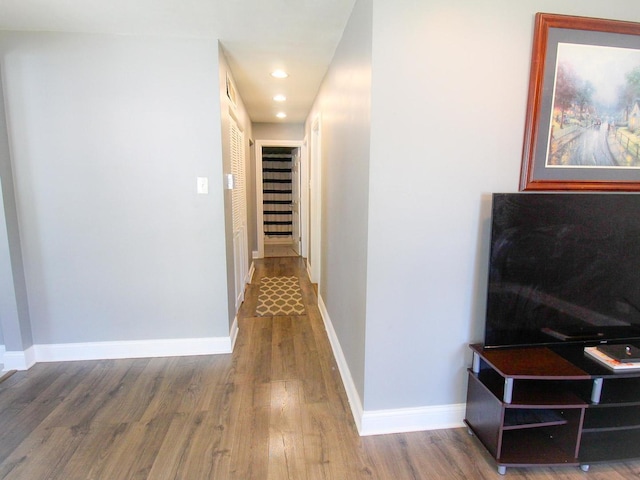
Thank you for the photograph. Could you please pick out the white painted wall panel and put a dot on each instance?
(450, 82)
(109, 134)
(344, 104)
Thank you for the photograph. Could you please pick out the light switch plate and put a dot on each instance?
(203, 185)
(230, 181)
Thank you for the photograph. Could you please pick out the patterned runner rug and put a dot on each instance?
(279, 296)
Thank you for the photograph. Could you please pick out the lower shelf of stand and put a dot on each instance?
(608, 446)
(537, 446)
(517, 418)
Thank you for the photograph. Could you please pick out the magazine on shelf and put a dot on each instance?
(611, 362)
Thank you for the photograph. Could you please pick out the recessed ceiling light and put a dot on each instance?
(280, 98)
(281, 115)
(279, 74)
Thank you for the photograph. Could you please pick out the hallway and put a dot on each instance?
(275, 409)
(275, 250)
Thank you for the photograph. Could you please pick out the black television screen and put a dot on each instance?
(563, 268)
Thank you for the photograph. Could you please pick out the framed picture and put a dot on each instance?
(583, 115)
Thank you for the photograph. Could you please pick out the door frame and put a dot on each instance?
(304, 182)
(314, 201)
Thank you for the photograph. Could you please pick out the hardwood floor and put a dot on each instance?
(277, 250)
(275, 409)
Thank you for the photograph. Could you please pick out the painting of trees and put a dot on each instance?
(596, 107)
(566, 88)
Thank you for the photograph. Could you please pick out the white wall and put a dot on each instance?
(278, 131)
(450, 81)
(406, 188)
(344, 106)
(108, 135)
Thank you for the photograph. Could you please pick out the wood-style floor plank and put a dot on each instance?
(274, 409)
(286, 456)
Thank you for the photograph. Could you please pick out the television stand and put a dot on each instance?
(538, 406)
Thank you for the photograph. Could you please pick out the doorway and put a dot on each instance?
(279, 208)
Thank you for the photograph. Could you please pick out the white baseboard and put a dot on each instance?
(352, 392)
(249, 276)
(380, 422)
(19, 360)
(402, 420)
(67, 352)
(308, 267)
(233, 334)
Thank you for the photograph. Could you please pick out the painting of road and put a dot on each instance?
(595, 116)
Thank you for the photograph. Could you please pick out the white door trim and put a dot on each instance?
(259, 207)
(314, 203)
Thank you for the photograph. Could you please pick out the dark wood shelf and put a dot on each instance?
(277, 212)
(532, 392)
(533, 363)
(515, 419)
(609, 446)
(276, 191)
(608, 418)
(544, 393)
(624, 391)
(542, 446)
(277, 180)
(535, 406)
(278, 222)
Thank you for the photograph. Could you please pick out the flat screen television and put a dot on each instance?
(564, 268)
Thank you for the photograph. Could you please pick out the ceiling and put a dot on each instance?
(258, 36)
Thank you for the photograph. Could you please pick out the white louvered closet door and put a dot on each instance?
(239, 210)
